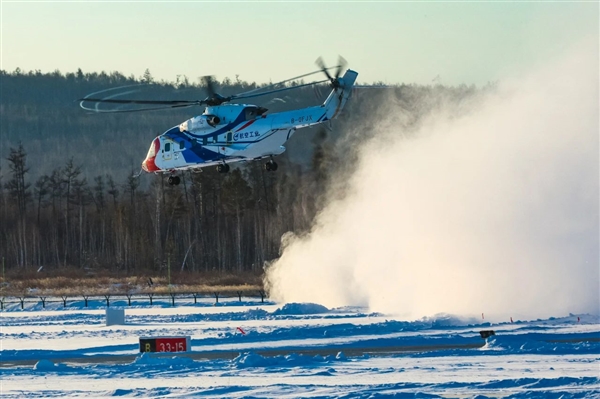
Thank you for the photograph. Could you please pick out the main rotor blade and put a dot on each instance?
(278, 83)
(116, 88)
(113, 111)
(93, 98)
(210, 85)
(153, 102)
(213, 98)
(279, 90)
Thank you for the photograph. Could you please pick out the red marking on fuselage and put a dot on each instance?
(149, 164)
(246, 125)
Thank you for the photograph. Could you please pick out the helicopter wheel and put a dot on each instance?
(173, 180)
(271, 166)
(222, 168)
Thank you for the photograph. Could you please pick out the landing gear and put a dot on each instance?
(173, 180)
(271, 166)
(222, 168)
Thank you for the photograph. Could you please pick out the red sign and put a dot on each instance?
(177, 344)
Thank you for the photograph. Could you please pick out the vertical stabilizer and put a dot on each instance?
(342, 89)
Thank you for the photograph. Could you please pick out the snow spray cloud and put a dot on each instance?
(494, 211)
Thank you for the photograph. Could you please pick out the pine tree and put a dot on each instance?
(17, 188)
(41, 189)
(147, 77)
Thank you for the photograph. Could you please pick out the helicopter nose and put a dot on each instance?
(149, 165)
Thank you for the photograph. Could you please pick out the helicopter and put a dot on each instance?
(226, 133)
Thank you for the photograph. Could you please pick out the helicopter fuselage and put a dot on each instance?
(230, 133)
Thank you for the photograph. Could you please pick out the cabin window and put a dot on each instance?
(182, 145)
(167, 147)
(204, 140)
(229, 137)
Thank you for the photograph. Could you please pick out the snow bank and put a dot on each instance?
(542, 344)
(251, 359)
(539, 383)
(448, 320)
(47, 365)
(148, 358)
(300, 309)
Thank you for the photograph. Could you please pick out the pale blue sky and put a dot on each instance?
(399, 42)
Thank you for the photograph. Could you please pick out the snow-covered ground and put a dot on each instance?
(254, 349)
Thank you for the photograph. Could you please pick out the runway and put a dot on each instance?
(349, 351)
(231, 354)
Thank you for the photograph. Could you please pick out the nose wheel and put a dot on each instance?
(173, 180)
(271, 166)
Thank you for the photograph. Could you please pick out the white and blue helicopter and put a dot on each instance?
(226, 133)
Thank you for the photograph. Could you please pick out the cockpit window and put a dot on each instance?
(167, 147)
(250, 113)
(181, 145)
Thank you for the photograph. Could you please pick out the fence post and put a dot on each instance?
(262, 295)
(85, 300)
(128, 299)
(172, 299)
(64, 298)
(22, 300)
(150, 296)
(239, 295)
(43, 299)
(195, 296)
(107, 300)
(216, 297)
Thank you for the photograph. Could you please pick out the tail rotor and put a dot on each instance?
(335, 81)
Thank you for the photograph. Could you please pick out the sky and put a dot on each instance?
(391, 42)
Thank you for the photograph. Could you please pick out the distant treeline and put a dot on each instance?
(68, 196)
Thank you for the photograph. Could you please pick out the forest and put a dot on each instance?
(69, 198)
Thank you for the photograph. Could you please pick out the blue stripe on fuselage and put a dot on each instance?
(194, 152)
